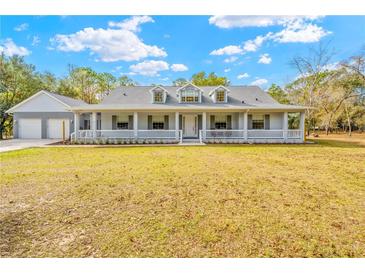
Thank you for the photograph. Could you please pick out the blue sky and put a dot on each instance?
(159, 49)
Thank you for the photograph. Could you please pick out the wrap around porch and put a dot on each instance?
(175, 127)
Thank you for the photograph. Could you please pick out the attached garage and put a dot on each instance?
(45, 115)
(30, 128)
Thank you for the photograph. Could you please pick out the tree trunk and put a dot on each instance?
(2, 122)
(348, 120)
(349, 123)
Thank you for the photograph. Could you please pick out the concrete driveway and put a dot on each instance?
(14, 144)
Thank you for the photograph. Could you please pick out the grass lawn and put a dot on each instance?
(210, 201)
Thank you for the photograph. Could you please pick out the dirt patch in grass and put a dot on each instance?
(210, 201)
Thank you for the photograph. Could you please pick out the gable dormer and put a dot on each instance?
(219, 95)
(159, 95)
(190, 94)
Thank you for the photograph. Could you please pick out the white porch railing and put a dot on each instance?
(295, 134)
(157, 134)
(222, 133)
(115, 133)
(251, 134)
(219, 134)
(128, 134)
(265, 134)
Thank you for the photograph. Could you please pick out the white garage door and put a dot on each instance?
(30, 129)
(55, 128)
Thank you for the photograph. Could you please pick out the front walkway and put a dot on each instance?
(15, 144)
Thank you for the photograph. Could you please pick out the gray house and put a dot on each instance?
(233, 114)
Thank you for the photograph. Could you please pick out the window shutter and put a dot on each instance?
(212, 122)
(180, 122)
(114, 122)
(130, 122)
(166, 122)
(200, 122)
(149, 121)
(249, 121)
(267, 121)
(229, 121)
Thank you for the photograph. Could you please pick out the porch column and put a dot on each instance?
(245, 125)
(177, 125)
(204, 125)
(135, 124)
(285, 126)
(76, 124)
(302, 125)
(93, 123)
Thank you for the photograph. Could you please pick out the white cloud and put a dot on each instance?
(36, 40)
(228, 50)
(243, 75)
(232, 21)
(253, 45)
(119, 44)
(227, 70)
(166, 36)
(259, 82)
(132, 24)
(265, 59)
(299, 32)
(9, 48)
(22, 27)
(296, 29)
(231, 59)
(179, 67)
(149, 68)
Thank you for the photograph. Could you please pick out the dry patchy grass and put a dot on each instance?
(212, 201)
(342, 138)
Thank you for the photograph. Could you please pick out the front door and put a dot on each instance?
(190, 126)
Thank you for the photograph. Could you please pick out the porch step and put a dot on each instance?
(191, 142)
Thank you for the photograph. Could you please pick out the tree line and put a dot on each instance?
(335, 95)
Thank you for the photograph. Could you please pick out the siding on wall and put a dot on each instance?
(106, 119)
(42, 103)
(276, 120)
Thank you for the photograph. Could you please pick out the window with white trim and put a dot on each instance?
(189, 96)
(158, 122)
(220, 122)
(258, 121)
(122, 122)
(158, 96)
(220, 96)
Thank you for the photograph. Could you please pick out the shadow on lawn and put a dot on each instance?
(337, 143)
(13, 232)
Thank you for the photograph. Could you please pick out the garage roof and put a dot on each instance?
(66, 101)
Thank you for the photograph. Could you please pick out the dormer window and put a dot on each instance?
(159, 95)
(189, 94)
(219, 94)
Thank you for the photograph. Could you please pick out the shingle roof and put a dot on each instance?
(140, 97)
(237, 95)
(67, 100)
